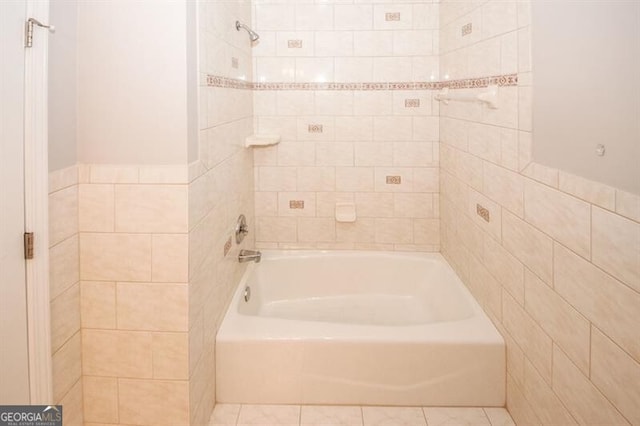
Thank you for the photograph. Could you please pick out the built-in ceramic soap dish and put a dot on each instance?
(345, 212)
(262, 140)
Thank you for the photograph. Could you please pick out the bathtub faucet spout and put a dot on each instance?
(249, 256)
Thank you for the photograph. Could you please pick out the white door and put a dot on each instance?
(14, 360)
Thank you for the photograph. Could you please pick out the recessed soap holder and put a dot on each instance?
(241, 228)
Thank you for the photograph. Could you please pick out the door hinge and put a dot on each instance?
(28, 30)
(28, 245)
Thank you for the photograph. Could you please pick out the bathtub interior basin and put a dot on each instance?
(365, 328)
(356, 288)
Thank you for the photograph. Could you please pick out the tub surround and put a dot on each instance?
(313, 331)
(317, 73)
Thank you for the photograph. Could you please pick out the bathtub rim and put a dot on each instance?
(477, 329)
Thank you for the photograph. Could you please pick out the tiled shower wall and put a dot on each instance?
(364, 144)
(221, 188)
(64, 290)
(557, 263)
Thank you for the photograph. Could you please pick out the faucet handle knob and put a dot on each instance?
(242, 229)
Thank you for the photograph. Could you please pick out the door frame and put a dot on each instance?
(36, 191)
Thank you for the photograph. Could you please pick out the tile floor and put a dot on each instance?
(314, 415)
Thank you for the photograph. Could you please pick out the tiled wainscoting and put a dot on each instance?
(314, 415)
(134, 243)
(64, 290)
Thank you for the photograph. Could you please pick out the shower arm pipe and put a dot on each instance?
(489, 97)
(253, 36)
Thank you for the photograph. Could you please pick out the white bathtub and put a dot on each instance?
(364, 328)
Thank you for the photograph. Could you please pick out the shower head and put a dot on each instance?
(253, 36)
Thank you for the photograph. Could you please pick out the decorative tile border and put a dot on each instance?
(468, 83)
(472, 83)
(228, 83)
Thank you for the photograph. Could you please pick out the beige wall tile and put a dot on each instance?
(535, 343)
(153, 402)
(406, 179)
(170, 356)
(276, 179)
(494, 225)
(426, 231)
(394, 231)
(588, 190)
(98, 304)
(276, 229)
(543, 174)
(548, 406)
(354, 179)
(455, 190)
(63, 214)
(609, 304)
(469, 169)
(66, 367)
(583, 400)
(485, 288)
(407, 154)
(374, 204)
(426, 179)
(470, 234)
(334, 153)
(628, 205)
(616, 246)
(73, 405)
(97, 208)
(294, 154)
(170, 258)
(504, 187)
(104, 173)
(566, 219)
(530, 246)
(157, 307)
(311, 179)
(520, 409)
(567, 328)
(266, 203)
(316, 229)
(151, 208)
(63, 178)
(164, 174)
(362, 231)
(115, 257)
(616, 374)
(100, 399)
(65, 316)
(116, 353)
(286, 198)
(326, 202)
(374, 154)
(507, 269)
(499, 416)
(64, 266)
(415, 205)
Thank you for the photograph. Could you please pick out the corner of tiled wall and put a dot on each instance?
(220, 189)
(64, 281)
(554, 257)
